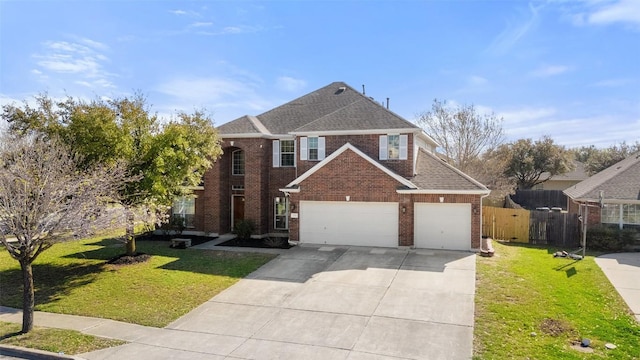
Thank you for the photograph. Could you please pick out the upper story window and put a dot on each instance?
(312, 148)
(287, 152)
(393, 147)
(284, 153)
(237, 162)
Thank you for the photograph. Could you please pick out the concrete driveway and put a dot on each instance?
(623, 271)
(330, 303)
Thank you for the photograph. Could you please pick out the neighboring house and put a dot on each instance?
(612, 195)
(564, 181)
(336, 167)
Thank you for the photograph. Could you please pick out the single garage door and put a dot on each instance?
(442, 226)
(349, 223)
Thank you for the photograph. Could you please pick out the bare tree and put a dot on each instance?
(462, 132)
(45, 199)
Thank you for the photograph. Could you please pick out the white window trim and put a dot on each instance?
(275, 214)
(305, 149)
(403, 147)
(233, 168)
(277, 155)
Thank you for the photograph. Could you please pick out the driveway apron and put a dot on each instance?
(329, 303)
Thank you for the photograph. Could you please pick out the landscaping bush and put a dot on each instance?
(244, 229)
(610, 238)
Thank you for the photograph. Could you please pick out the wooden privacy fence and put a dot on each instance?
(534, 227)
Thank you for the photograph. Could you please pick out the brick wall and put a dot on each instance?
(594, 212)
(368, 144)
(350, 175)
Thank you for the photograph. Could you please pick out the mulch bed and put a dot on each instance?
(125, 259)
(267, 243)
(195, 240)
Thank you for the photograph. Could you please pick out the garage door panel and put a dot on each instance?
(349, 223)
(442, 226)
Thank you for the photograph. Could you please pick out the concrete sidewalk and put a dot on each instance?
(623, 271)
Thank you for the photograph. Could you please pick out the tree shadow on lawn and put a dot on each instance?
(51, 282)
(209, 262)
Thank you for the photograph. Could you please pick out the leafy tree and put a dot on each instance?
(168, 157)
(526, 160)
(462, 132)
(45, 200)
(596, 160)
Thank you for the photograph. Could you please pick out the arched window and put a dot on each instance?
(237, 162)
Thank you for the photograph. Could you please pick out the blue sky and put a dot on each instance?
(567, 69)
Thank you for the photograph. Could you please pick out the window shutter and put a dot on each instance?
(404, 147)
(383, 147)
(303, 148)
(321, 151)
(276, 153)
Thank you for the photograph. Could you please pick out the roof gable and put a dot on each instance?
(341, 150)
(620, 181)
(241, 125)
(435, 175)
(335, 107)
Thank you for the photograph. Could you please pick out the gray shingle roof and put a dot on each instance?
(577, 174)
(435, 174)
(241, 125)
(620, 181)
(326, 109)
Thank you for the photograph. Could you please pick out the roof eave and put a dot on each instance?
(443, 192)
(353, 132)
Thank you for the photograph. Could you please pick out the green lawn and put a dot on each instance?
(525, 290)
(68, 342)
(73, 278)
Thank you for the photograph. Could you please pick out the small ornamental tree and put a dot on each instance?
(45, 199)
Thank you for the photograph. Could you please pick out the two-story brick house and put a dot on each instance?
(336, 167)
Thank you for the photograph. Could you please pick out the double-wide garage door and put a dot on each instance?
(442, 226)
(349, 223)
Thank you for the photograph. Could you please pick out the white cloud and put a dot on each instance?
(570, 131)
(200, 24)
(549, 70)
(477, 80)
(604, 12)
(613, 82)
(186, 13)
(81, 60)
(625, 11)
(227, 97)
(290, 84)
(514, 32)
(527, 114)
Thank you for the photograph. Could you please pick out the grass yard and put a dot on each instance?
(73, 278)
(68, 342)
(525, 290)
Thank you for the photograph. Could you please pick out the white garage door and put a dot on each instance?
(349, 223)
(442, 226)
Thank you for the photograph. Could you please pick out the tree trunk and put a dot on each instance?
(28, 298)
(131, 240)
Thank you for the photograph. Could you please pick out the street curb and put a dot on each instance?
(35, 354)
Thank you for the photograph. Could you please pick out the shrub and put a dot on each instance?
(244, 229)
(610, 238)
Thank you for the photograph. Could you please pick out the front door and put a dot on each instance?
(238, 209)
